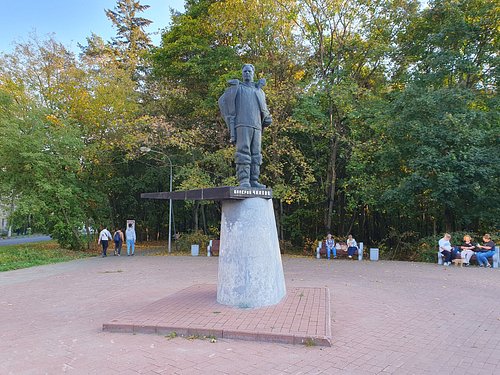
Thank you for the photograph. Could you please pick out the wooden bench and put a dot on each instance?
(341, 253)
(213, 248)
(495, 258)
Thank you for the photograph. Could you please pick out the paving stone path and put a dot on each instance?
(387, 318)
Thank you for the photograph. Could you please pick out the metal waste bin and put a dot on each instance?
(373, 253)
(195, 250)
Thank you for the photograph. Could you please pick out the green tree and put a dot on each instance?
(40, 164)
(352, 53)
(93, 100)
(455, 43)
(131, 41)
(442, 148)
(430, 141)
(205, 47)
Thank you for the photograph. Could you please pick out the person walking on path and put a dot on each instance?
(486, 250)
(103, 240)
(118, 240)
(330, 246)
(131, 237)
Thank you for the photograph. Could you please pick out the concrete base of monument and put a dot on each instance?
(250, 269)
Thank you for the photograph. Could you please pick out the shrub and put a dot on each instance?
(197, 237)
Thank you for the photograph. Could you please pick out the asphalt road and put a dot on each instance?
(20, 240)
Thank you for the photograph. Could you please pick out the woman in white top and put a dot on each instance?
(352, 246)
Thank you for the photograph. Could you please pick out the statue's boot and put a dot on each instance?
(254, 176)
(243, 174)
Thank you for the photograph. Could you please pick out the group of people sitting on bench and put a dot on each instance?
(466, 250)
(332, 247)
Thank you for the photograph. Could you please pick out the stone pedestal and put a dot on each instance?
(250, 268)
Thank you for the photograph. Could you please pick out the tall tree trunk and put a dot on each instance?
(332, 179)
(76, 233)
(448, 220)
(282, 235)
(203, 219)
(11, 211)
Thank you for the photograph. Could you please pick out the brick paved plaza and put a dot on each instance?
(386, 317)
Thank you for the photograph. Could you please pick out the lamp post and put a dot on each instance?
(145, 150)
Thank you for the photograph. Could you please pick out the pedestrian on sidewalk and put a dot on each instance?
(131, 237)
(103, 240)
(118, 240)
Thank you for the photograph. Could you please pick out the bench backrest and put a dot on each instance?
(343, 246)
(213, 247)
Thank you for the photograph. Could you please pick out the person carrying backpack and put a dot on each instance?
(118, 239)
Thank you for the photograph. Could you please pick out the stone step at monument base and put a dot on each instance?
(302, 317)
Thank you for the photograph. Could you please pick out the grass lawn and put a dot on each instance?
(13, 257)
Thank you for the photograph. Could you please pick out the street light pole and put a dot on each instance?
(170, 211)
(147, 149)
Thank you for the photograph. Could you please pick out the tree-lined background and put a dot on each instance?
(386, 120)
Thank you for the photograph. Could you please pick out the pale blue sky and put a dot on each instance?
(71, 20)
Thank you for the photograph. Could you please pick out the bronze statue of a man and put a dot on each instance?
(243, 107)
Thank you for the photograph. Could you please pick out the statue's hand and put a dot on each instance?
(232, 130)
(267, 121)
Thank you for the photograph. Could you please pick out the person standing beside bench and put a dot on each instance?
(485, 251)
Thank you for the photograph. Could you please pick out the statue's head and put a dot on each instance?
(248, 71)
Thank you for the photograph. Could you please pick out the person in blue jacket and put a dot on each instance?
(130, 238)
